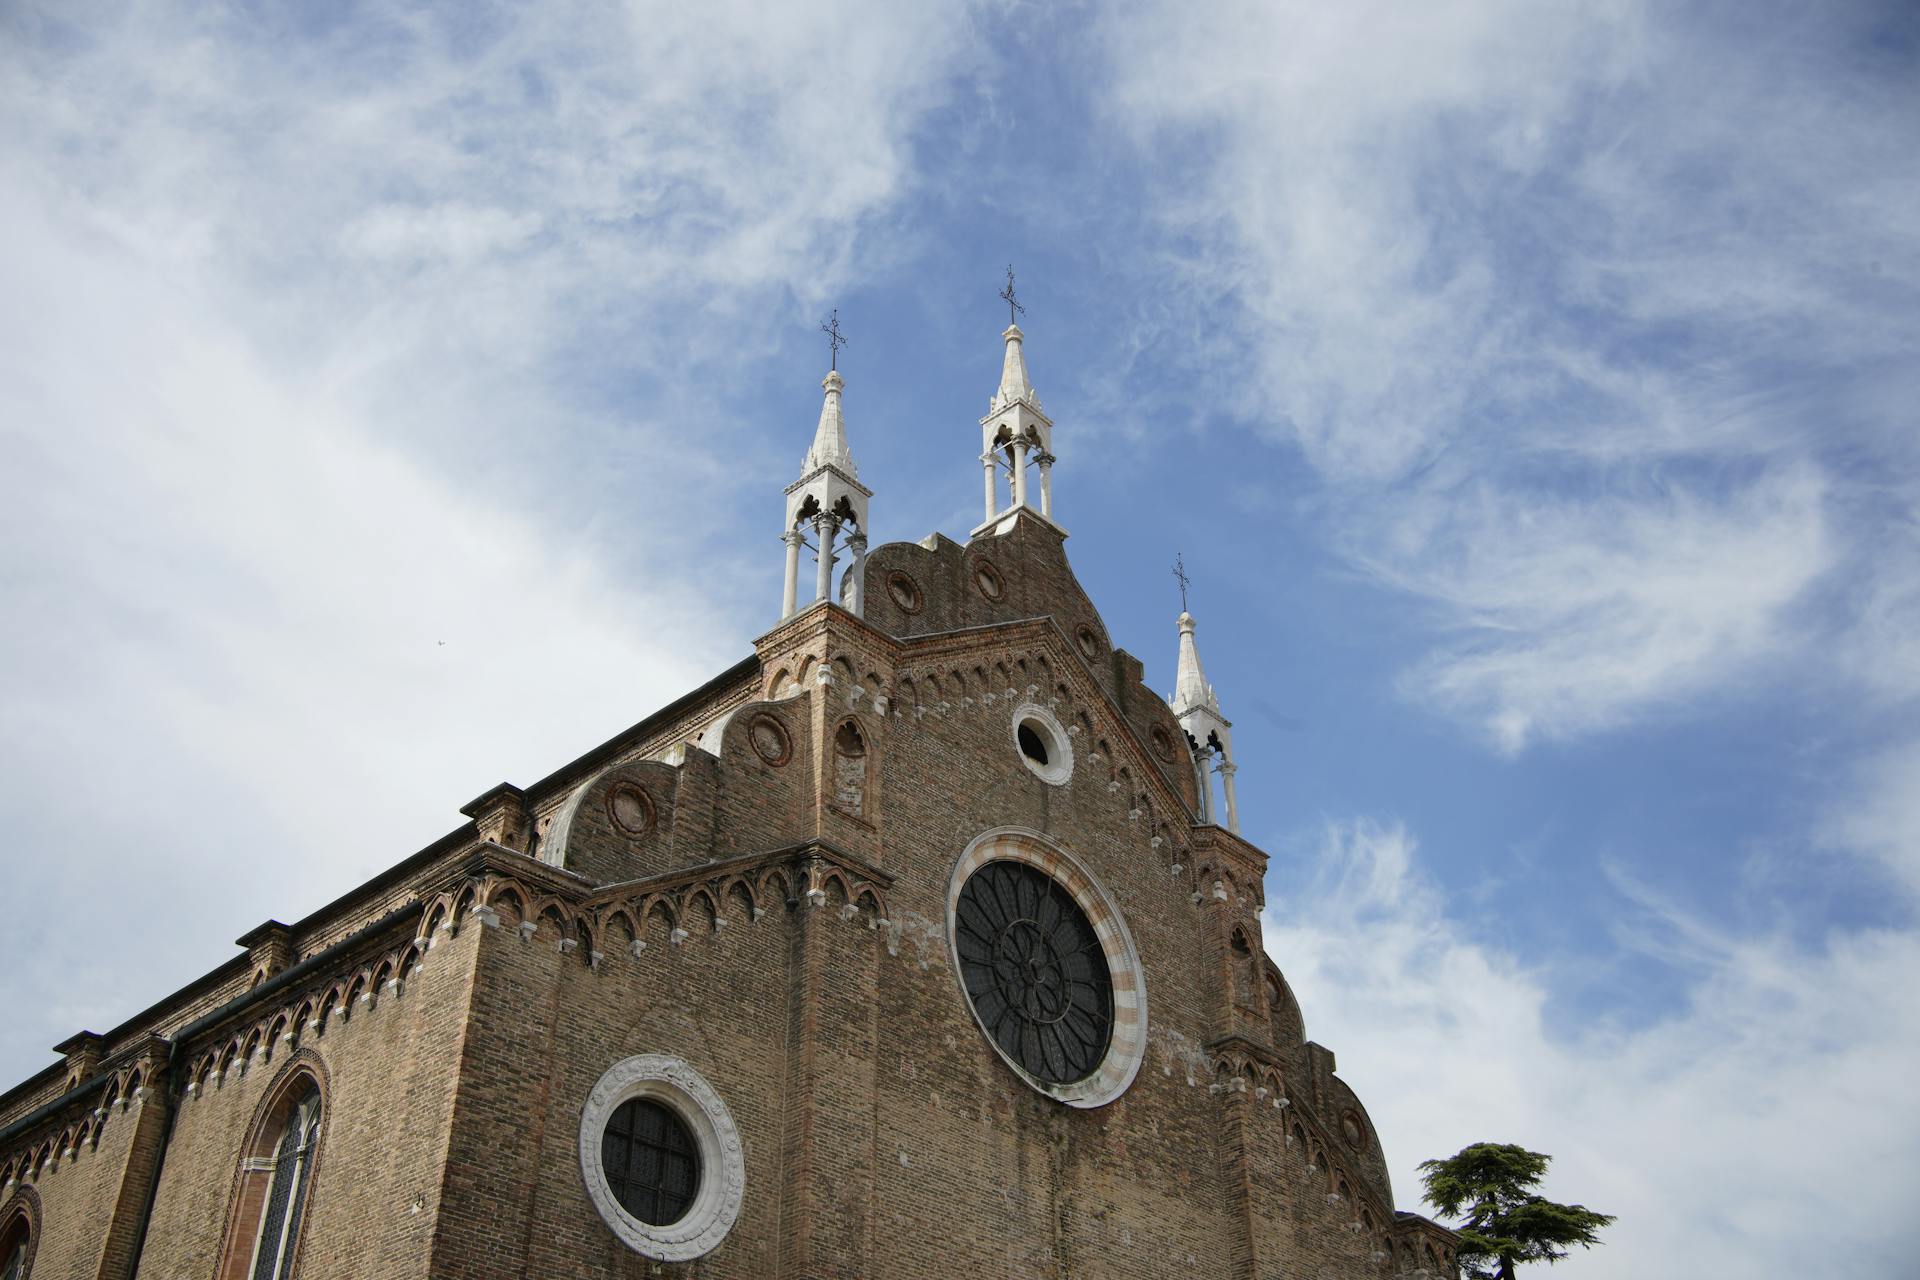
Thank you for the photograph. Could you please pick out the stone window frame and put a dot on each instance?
(252, 1180)
(1128, 1047)
(675, 1084)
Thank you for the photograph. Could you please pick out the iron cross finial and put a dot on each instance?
(1013, 305)
(834, 341)
(1180, 572)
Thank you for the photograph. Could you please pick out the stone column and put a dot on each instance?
(987, 464)
(1227, 769)
(1046, 485)
(856, 596)
(790, 597)
(824, 529)
(1205, 774)
(1020, 473)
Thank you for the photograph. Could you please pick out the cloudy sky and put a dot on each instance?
(397, 399)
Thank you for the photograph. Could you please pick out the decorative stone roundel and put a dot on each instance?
(1089, 643)
(986, 579)
(1353, 1129)
(1162, 742)
(1047, 967)
(631, 809)
(770, 740)
(721, 1172)
(904, 592)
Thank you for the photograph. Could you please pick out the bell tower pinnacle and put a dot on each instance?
(1197, 708)
(1015, 435)
(828, 497)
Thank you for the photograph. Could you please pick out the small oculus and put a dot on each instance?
(1042, 743)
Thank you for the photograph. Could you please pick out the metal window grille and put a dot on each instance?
(651, 1161)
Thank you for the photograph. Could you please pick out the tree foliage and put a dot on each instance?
(1490, 1185)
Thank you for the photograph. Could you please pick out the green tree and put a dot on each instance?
(1490, 1184)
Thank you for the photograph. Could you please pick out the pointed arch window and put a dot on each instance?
(276, 1175)
(14, 1245)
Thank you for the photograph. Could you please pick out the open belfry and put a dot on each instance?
(920, 942)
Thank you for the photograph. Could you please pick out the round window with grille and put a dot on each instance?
(661, 1157)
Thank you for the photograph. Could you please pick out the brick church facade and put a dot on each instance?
(919, 943)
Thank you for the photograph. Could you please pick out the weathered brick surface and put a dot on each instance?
(771, 907)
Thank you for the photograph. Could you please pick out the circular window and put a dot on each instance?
(1089, 642)
(769, 738)
(987, 579)
(661, 1157)
(1035, 971)
(1047, 967)
(904, 591)
(1042, 743)
(631, 809)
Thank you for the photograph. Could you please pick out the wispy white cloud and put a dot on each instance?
(1877, 812)
(1575, 613)
(1716, 1133)
(1595, 326)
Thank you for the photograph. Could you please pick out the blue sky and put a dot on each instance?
(1530, 390)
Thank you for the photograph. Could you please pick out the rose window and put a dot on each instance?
(1035, 971)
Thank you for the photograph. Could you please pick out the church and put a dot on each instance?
(920, 942)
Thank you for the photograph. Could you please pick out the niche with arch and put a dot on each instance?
(852, 771)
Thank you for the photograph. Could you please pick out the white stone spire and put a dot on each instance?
(1191, 692)
(830, 437)
(1197, 708)
(827, 500)
(1014, 382)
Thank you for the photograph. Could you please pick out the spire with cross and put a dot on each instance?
(1197, 707)
(1016, 436)
(828, 499)
(835, 340)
